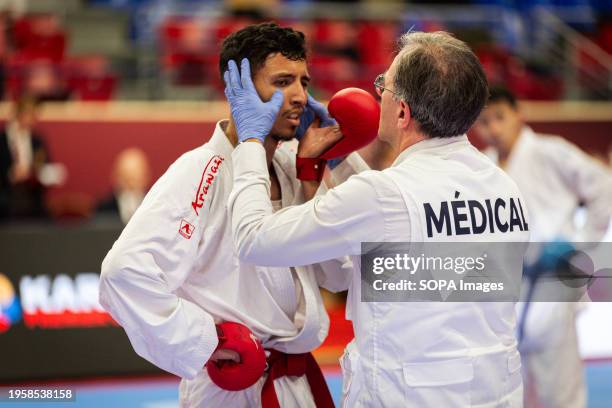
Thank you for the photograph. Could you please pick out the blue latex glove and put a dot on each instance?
(313, 110)
(253, 117)
(333, 163)
(553, 255)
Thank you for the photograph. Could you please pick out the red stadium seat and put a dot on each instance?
(376, 43)
(89, 78)
(39, 37)
(188, 49)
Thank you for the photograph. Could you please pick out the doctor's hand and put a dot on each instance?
(253, 117)
(313, 110)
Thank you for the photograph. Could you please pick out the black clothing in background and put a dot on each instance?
(25, 199)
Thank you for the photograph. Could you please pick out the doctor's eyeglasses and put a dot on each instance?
(379, 85)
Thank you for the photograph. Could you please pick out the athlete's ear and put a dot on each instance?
(404, 116)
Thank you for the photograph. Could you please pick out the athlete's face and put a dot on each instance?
(499, 125)
(291, 78)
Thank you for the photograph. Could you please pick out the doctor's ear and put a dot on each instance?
(404, 115)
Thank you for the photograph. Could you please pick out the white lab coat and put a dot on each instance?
(173, 274)
(403, 354)
(555, 177)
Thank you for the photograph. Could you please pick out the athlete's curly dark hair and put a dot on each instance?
(256, 42)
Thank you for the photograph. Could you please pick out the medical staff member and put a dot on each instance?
(555, 178)
(173, 274)
(404, 354)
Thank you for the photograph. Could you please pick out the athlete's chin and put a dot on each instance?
(284, 135)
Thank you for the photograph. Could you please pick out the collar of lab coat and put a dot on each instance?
(432, 143)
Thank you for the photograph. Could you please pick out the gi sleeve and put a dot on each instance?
(326, 227)
(153, 256)
(591, 182)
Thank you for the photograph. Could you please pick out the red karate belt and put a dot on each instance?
(281, 364)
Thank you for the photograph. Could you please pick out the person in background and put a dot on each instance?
(555, 177)
(131, 180)
(22, 155)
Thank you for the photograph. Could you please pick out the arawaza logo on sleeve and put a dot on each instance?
(466, 217)
(208, 176)
(61, 301)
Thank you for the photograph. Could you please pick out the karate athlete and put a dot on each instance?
(404, 354)
(555, 178)
(173, 273)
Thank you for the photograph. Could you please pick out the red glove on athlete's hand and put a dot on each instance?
(230, 375)
(358, 113)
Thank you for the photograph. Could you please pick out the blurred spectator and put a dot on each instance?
(130, 178)
(45, 82)
(22, 156)
(40, 79)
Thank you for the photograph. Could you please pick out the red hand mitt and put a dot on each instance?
(233, 376)
(358, 113)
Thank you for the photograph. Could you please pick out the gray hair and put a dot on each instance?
(442, 81)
